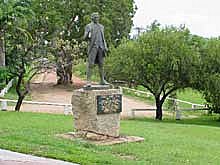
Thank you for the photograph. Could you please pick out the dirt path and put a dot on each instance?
(44, 89)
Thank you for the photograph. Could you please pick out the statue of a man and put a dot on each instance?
(94, 32)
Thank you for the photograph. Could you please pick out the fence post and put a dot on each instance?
(178, 112)
(193, 106)
(132, 113)
(70, 109)
(67, 109)
(4, 105)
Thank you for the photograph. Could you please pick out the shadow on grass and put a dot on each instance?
(204, 120)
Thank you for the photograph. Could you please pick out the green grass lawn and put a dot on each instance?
(191, 95)
(191, 141)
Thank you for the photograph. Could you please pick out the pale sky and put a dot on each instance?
(202, 17)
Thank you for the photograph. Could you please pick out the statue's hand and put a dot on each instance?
(89, 35)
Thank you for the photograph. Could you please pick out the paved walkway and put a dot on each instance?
(14, 158)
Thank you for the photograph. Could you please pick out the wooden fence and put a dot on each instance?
(178, 111)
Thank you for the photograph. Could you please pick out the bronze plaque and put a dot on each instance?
(108, 104)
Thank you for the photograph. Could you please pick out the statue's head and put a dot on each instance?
(95, 17)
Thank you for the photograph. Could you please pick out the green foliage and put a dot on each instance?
(161, 56)
(67, 19)
(212, 92)
(162, 60)
(208, 79)
(3, 76)
(3, 73)
(14, 23)
(13, 14)
(120, 63)
(26, 52)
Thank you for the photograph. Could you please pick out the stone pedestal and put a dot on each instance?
(96, 111)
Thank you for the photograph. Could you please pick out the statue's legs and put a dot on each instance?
(96, 57)
(102, 76)
(90, 65)
(89, 73)
(101, 68)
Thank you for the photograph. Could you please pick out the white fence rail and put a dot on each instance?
(194, 105)
(4, 102)
(67, 107)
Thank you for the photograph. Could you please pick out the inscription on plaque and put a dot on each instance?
(109, 104)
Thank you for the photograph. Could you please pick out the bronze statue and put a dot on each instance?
(94, 32)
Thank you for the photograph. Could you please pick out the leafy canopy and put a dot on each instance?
(162, 60)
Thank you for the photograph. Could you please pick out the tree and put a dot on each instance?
(10, 11)
(26, 54)
(32, 30)
(67, 53)
(208, 81)
(162, 60)
(3, 22)
(27, 60)
(66, 19)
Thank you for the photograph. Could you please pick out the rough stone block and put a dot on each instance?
(86, 116)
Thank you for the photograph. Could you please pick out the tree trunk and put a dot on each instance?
(159, 112)
(64, 67)
(69, 73)
(19, 102)
(21, 95)
(2, 50)
(64, 75)
(60, 77)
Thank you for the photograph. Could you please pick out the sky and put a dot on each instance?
(202, 17)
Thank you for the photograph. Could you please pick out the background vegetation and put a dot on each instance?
(167, 59)
(39, 35)
(36, 36)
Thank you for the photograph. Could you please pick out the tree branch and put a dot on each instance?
(148, 88)
(169, 92)
(70, 24)
(162, 88)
